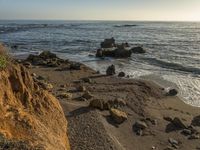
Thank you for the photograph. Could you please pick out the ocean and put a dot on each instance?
(173, 48)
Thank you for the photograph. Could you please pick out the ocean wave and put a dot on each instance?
(172, 65)
(81, 41)
(126, 25)
(17, 27)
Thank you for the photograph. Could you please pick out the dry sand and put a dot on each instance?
(92, 129)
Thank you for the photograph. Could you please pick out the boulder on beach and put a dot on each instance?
(121, 74)
(172, 92)
(108, 43)
(139, 126)
(110, 70)
(179, 123)
(75, 66)
(196, 121)
(118, 116)
(97, 103)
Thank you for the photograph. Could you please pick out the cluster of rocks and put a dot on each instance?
(110, 49)
(107, 105)
(141, 126)
(114, 107)
(111, 70)
(187, 129)
(42, 82)
(45, 58)
(49, 59)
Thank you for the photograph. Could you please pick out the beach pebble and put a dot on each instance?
(87, 95)
(194, 137)
(87, 80)
(65, 95)
(140, 125)
(40, 78)
(33, 75)
(186, 132)
(27, 64)
(75, 66)
(81, 88)
(173, 142)
(46, 86)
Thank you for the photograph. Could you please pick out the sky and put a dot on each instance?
(150, 10)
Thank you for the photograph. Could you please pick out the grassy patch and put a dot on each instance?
(3, 62)
(3, 57)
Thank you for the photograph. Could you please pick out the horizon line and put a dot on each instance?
(99, 20)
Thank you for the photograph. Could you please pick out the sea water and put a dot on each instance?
(173, 48)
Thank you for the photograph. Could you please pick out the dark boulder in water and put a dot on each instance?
(119, 52)
(138, 49)
(110, 70)
(108, 43)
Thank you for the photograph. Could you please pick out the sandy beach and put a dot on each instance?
(165, 122)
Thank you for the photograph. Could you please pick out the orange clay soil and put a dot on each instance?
(29, 116)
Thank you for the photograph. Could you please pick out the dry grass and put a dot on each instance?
(4, 57)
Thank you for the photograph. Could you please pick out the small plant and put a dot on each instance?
(3, 62)
(3, 57)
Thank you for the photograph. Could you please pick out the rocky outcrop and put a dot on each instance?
(46, 58)
(30, 117)
(138, 49)
(108, 43)
(119, 52)
(122, 52)
(110, 49)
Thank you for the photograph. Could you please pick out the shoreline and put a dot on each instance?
(157, 79)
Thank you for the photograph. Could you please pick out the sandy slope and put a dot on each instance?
(30, 117)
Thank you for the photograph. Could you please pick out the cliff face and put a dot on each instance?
(29, 116)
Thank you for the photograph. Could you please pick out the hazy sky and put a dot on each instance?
(181, 10)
